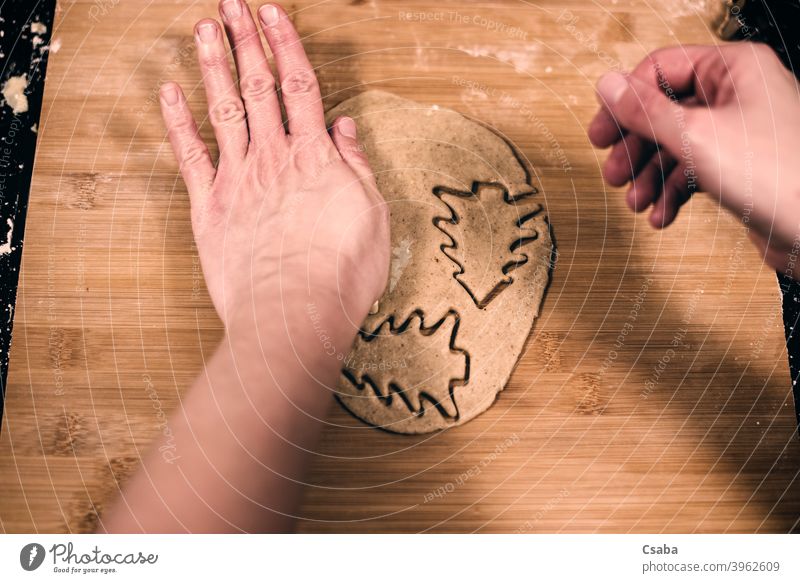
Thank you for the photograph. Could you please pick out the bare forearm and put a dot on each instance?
(293, 237)
(242, 433)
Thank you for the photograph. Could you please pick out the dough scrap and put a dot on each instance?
(14, 93)
(476, 253)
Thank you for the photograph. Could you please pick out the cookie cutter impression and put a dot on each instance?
(471, 261)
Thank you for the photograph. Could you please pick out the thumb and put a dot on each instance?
(644, 108)
(346, 141)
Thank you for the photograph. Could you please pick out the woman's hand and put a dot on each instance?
(289, 206)
(287, 222)
(727, 121)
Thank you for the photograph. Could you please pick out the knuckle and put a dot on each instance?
(241, 29)
(311, 159)
(299, 82)
(228, 111)
(355, 153)
(180, 126)
(245, 40)
(194, 154)
(257, 86)
(279, 37)
(214, 61)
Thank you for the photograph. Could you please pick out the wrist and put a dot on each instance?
(295, 342)
(306, 321)
(340, 288)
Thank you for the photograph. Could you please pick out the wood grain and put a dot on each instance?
(653, 394)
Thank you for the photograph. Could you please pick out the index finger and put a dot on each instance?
(677, 71)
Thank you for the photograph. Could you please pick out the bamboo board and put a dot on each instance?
(653, 394)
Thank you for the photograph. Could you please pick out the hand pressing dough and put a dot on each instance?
(471, 256)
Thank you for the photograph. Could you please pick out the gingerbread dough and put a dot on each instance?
(471, 257)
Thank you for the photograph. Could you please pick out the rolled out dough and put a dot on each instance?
(471, 257)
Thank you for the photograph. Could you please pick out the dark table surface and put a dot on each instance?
(23, 52)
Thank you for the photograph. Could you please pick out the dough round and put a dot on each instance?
(471, 258)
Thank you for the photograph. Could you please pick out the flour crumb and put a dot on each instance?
(38, 28)
(14, 93)
(548, 69)
(35, 128)
(6, 247)
(521, 60)
(55, 45)
(401, 255)
(689, 8)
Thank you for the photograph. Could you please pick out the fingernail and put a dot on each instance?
(611, 87)
(269, 14)
(231, 9)
(169, 94)
(207, 32)
(347, 127)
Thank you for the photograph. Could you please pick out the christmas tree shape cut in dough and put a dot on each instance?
(487, 231)
(428, 373)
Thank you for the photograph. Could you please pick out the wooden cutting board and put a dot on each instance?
(653, 394)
